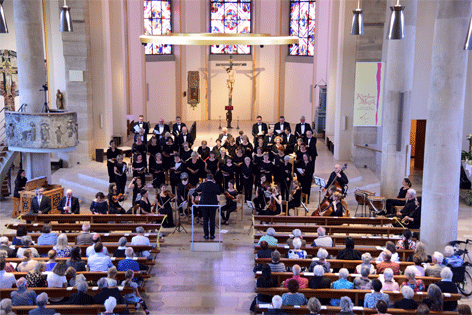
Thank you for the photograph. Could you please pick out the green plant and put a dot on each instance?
(466, 155)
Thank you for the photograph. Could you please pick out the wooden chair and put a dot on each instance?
(305, 197)
(240, 207)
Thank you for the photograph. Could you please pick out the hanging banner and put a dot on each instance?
(368, 97)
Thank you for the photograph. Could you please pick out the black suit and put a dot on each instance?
(44, 207)
(105, 293)
(277, 127)
(255, 130)
(228, 135)
(269, 140)
(176, 129)
(290, 143)
(81, 298)
(161, 134)
(298, 130)
(311, 147)
(74, 205)
(190, 140)
(343, 181)
(144, 126)
(210, 191)
(10, 251)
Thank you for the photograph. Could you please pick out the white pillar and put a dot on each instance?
(400, 57)
(444, 125)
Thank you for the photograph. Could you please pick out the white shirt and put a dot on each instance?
(99, 262)
(7, 279)
(281, 128)
(259, 126)
(56, 281)
(302, 128)
(140, 240)
(91, 250)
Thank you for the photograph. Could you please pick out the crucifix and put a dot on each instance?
(8, 86)
(230, 70)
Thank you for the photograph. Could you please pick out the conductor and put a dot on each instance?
(209, 196)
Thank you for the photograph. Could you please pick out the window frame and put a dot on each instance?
(298, 57)
(161, 57)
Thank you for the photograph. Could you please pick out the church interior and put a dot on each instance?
(384, 87)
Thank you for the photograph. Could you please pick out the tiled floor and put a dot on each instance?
(187, 282)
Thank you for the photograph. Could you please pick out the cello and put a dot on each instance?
(324, 208)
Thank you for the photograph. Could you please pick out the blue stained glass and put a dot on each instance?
(157, 21)
(302, 24)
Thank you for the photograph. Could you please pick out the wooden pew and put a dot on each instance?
(95, 275)
(93, 218)
(355, 295)
(324, 220)
(335, 263)
(333, 251)
(282, 276)
(335, 310)
(93, 226)
(72, 309)
(338, 239)
(330, 229)
(114, 260)
(61, 292)
(105, 237)
(43, 249)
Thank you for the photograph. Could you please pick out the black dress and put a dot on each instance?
(139, 170)
(120, 176)
(248, 149)
(20, 183)
(307, 177)
(247, 178)
(153, 149)
(267, 169)
(178, 168)
(136, 190)
(238, 161)
(212, 166)
(197, 167)
(145, 206)
(166, 209)
(158, 172)
(394, 202)
(99, 207)
(204, 153)
(111, 165)
(286, 180)
(185, 155)
(228, 172)
(230, 205)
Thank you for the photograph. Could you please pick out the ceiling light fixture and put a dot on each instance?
(396, 28)
(66, 20)
(357, 21)
(3, 22)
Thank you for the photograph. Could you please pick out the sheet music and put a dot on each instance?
(300, 170)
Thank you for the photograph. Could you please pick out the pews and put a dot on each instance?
(333, 251)
(335, 263)
(335, 310)
(61, 292)
(105, 237)
(95, 275)
(324, 220)
(43, 249)
(330, 229)
(114, 260)
(338, 239)
(93, 226)
(72, 309)
(282, 276)
(94, 218)
(355, 295)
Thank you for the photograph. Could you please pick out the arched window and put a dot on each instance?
(157, 21)
(230, 16)
(302, 24)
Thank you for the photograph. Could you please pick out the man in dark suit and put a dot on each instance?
(69, 204)
(224, 136)
(177, 127)
(40, 204)
(302, 128)
(81, 297)
(281, 126)
(269, 139)
(311, 145)
(106, 292)
(4, 246)
(141, 124)
(259, 129)
(209, 196)
(289, 141)
(160, 129)
(184, 136)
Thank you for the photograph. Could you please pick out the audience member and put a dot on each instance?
(464, 309)
(23, 296)
(314, 306)
(73, 278)
(370, 299)
(62, 248)
(57, 279)
(363, 282)
(99, 261)
(269, 237)
(349, 253)
(266, 280)
(434, 300)
(134, 297)
(296, 233)
(297, 253)
(302, 282)
(277, 306)
(416, 285)
(47, 238)
(406, 242)
(388, 284)
(27, 242)
(27, 264)
(4, 246)
(52, 260)
(265, 251)
(106, 292)
(434, 269)
(341, 284)
(42, 301)
(75, 260)
(6, 307)
(20, 232)
(322, 254)
(111, 275)
(322, 240)
(110, 305)
(447, 286)
(141, 239)
(366, 261)
(85, 237)
(293, 297)
(450, 259)
(120, 250)
(128, 263)
(387, 263)
(422, 309)
(36, 277)
(346, 305)
(319, 281)
(276, 265)
(8, 267)
(407, 303)
(381, 308)
(81, 297)
(419, 269)
(421, 251)
(91, 249)
(390, 246)
(7, 280)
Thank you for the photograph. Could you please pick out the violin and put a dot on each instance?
(272, 204)
(169, 194)
(229, 196)
(119, 197)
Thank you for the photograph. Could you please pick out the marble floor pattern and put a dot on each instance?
(186, 282)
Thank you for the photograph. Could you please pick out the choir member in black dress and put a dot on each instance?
(153, 147)
(257, 160)
(260, 200)
(298, 145)
(238, 160)
(228, 171)
(139, 147)
(401, 198)
(156, 168)
(337, 205)
(99, 205)
(305, 176)
(194, 169)
(112, 153)
(20, 183)
(278, 162)
(136, 185)
(339, 176)
(266, 167)
(301, 151)
(121, 168)
(286, 177)
(164, 199)
(247, 178)
(144, 204)
(217, 148)
(168, 150)
(223, 155)
(247, 146)
(212, 164)
(185, 152)
(114, 199)
(139, 167)
(204, 151)
(260, 144)
(294, 199)
(176, 167)
(231, 203)
(275, 202)
(182, 191)
(231, 146)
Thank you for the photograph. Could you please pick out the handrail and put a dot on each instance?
(367, 148)
(22, 107)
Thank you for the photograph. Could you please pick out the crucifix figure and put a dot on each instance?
(230, 70)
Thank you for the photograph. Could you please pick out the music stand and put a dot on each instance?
(322, 184)
(303, 205)
(179, 227)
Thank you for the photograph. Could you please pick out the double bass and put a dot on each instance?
(325, 208)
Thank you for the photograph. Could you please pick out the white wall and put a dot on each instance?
(298, 85)
(161, 79)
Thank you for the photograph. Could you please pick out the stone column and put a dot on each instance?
(31, 72)
(399, 56)
(444, 125)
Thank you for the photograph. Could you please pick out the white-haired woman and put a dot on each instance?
(269, 238)
(6, 308)
(366, 262)
(110, 305)
(342, 284)
(346, 306)
(297, 253)
(416, 285)
(447, 286)
(297, 233)
(62, 248)
(322, 255)
(363, 282)
(388, 284)
(407, 303)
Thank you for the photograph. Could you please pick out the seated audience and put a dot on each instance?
(106, 292)
(346, 305)
(296, 234)
(269, 237)
(363, 282)
(388, 284)
(6, 307)
(381, 308)
(421, 251)
(4, 245)
(23, 296)
(140, 239)
(266, 280)
(36, 277)
(75, 260)
(387, 263)
(434, 269)
(293, 297)
(422, 309)
(416, 285)
(302, 282)
(52, 260)
(464, 309)
(20, 232)
(57, 279)
(450, 259)
(73, 278)
(42, 301)
(134, 297)
(322, 254)
(81, 297)
(128, 263)
(99, 261)
(111, 275)
(349, 253)
(120, 250)
(265, 251)
(277, 306)
(85, 237)
(406, 242)
(366, 261)
(47, 238)
(7, 280)
(407, 303)
(27, 264)
(27, 242)
(319, 281)
(8, 267)
(419, 269)
(297, 253)
(370, 299)
(447, 286)
(389, 245)
(110, 305)
(322, 240)
(276, 265)
(314, 306)
(341, 284)
(62, 248)
(434, 300)
(91, 249)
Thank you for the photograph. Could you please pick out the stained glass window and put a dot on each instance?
(157, 21)
(302, 24)
(230, 16)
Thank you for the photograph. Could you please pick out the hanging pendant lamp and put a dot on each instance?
(66, 20)
(357, 21)
(396, 28)
(3, 22)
